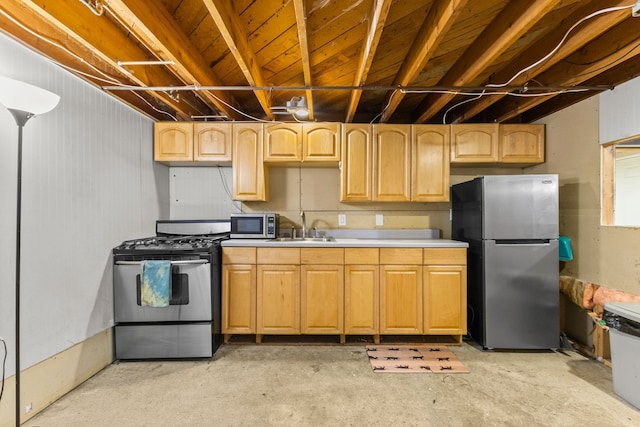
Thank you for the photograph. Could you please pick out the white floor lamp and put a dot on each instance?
(23, 102)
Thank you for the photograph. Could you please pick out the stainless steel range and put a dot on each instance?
(188, 324)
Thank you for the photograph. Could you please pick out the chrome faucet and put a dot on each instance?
(304, 226)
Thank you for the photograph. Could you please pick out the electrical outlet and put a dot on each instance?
(342, 219)
(379, 219)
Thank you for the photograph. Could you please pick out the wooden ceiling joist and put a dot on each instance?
(235, 36)
(156, 28)
(301, 26)
(512, 22)
(376, 25)
(439, 20)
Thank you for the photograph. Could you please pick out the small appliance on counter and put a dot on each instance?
(187, 322)
(254, 225)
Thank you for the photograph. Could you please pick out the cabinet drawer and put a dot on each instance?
(401, 256)
(279, 256)
(238, 255)
(322, 256)
(362, 256)
(445, 256)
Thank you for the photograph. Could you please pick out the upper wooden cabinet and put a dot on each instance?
(249, 179)
(430, 163)
(503, 144)
(192, 144)
(283, 142)
(355, 171)
(474, 143)
(302, 142)
(392, 163)
(521, 143)
(321, 142)
(173, 142)
(212, 142)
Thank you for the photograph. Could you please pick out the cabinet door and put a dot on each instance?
(401, 299)
(361, 295)
(239, 299)
(430, 163)
(355, 171)
(248, 169)
(321, 142)
(212, 142)
(173, 142)
(445, 302)
(474, 143)
(392, 163)
(278, 299)
(283, 143)
(522, 143)
(322, 299)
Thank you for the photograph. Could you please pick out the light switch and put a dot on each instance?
(379, 219)
(342, 219)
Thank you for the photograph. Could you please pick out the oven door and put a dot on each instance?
(190, 294)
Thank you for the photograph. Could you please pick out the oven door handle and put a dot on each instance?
(187, 261)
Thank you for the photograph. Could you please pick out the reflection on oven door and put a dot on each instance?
(190, 298)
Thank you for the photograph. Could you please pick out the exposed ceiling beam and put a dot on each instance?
(578, 37)
(624, 45)
(378, 19)
(439, 20)
(301, 24)
(514, 21)
(617, 75)
(236, 38)
(155, 27)
(55, 31)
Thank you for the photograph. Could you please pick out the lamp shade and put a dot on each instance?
(17, 95)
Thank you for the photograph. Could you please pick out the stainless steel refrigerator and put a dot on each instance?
(511, 225)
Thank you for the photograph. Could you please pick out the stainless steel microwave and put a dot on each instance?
(254, 225)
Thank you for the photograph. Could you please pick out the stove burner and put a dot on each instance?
(177, 242)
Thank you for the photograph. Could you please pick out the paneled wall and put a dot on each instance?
(89, 183)
(604, 255)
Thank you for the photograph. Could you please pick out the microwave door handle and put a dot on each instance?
(188, 261)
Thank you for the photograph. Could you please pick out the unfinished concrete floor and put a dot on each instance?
(333, 385)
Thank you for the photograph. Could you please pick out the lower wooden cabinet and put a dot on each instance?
(278, 299)
(445, 308)
(344, 291)
(322, 299)
(239, 303)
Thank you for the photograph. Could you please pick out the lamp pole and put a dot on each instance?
(21, 118)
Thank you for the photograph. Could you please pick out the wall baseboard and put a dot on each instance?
(49, 380)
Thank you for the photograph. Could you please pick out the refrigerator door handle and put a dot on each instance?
(537, 242)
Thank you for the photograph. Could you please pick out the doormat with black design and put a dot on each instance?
(407, 358)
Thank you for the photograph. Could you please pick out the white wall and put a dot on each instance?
(620, 112)
(89, 182)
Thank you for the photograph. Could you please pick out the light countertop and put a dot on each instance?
(346, 243)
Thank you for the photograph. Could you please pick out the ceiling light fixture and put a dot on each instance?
(296, 106)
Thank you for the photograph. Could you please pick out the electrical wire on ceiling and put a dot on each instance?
(99, 7)
(540, 61)
(106, 78)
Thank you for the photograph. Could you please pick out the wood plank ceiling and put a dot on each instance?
(363, 61)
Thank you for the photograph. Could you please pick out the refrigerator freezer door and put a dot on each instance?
(521, 296)
(520, 207)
